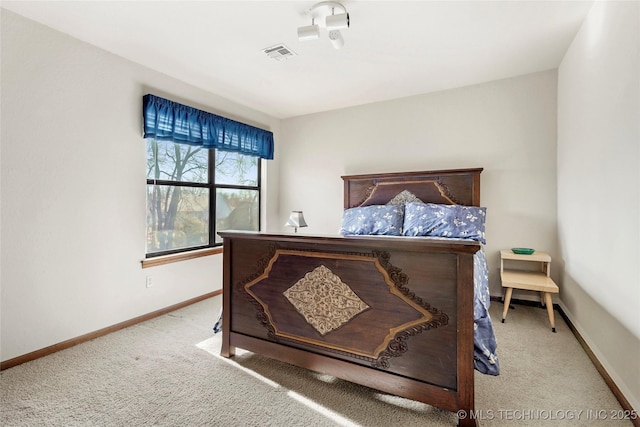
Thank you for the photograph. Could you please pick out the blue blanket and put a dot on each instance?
(485, 359)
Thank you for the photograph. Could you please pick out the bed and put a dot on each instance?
(393, 310)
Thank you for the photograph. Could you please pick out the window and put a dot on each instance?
(194, 192)
(203, 175)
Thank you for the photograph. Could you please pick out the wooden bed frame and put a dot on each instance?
(403, 316)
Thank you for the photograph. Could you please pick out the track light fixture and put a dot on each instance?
(336, 39)
(310, 32)
(337, 22)
(332, 16)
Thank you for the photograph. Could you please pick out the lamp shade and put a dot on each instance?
(296, 219)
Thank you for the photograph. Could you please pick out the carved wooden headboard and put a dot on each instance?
(453, 186)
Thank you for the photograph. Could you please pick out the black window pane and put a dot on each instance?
(236, 209)
(180, 216)
(236, 169)
(176, 162)
(177, 217)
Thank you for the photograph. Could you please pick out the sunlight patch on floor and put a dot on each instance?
(329, 379)
(396, 401)
(339, 419)
(212, 346)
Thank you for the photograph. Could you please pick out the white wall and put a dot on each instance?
(73, 189)
(599, 188)
(507, 127)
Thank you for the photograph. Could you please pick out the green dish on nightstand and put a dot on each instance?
(523, 251)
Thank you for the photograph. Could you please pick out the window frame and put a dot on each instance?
(212, 186)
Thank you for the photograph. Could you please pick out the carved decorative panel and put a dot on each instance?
(324, 300)
(355, 304)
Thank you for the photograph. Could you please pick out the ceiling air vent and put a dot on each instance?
(278, 52)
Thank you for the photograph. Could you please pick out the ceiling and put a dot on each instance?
(392, 49)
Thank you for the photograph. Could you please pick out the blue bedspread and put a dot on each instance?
(485, 359)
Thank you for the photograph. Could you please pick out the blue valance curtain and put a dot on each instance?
(166, 120)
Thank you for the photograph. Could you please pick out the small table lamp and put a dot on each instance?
(296, 219)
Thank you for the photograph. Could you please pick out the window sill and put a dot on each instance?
(168, 259)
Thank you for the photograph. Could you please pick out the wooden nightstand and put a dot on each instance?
(539, 281)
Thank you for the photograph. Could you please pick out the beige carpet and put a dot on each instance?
(167, 372)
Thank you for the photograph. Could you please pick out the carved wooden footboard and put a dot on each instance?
(401, 320)
(391, 313)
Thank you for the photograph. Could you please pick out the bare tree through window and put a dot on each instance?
(182, 194)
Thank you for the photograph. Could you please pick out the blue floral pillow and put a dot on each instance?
(429, 219)
(374, 219)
